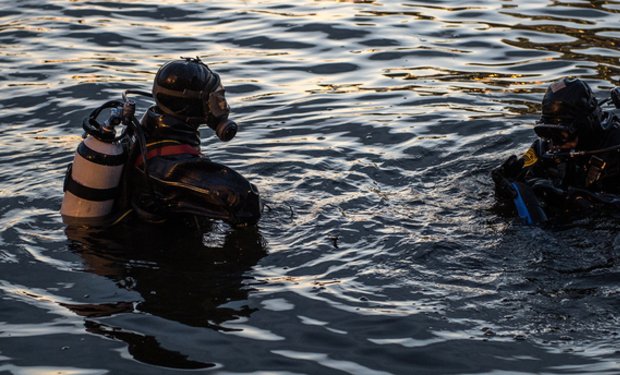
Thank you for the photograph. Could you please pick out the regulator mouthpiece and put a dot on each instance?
(226, 130)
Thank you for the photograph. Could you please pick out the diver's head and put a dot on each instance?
(570, 113)
(188, 89)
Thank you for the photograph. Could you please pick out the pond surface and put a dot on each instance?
(370, 128)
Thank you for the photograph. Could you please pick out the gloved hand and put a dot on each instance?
(505, 174)
(510, 168)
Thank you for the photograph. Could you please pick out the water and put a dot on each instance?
(370, 128)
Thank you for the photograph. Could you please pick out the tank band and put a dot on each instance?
(99, 158)
(88, 193)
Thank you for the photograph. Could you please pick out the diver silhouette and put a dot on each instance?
(154, 169)
(573, 167)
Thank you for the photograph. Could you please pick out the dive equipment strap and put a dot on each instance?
(528, 206)
(85, 192)
(168, 150)
(99, 158)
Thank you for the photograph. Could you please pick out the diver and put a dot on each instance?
(574, 164)
(155, 169)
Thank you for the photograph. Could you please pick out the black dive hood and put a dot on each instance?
(159, 125)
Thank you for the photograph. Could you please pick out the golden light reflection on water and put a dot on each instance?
(366, 122)
(528, 20)
(96, 78)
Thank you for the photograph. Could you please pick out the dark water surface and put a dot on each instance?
(371, 128)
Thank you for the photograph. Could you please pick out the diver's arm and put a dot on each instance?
(505, 174)
(516, 169)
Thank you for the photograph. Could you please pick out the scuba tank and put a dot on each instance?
(92, 181)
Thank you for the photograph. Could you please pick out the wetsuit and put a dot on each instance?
(179, 180)
(562, 182)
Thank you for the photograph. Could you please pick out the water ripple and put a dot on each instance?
(370, 128)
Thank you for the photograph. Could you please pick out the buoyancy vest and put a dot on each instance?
(180, 180)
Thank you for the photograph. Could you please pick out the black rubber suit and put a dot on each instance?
(574, 165)
(178, 179)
